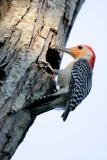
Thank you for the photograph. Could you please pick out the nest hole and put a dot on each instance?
(2, 75)
(53, 57)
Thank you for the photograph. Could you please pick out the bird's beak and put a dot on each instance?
(70, 51)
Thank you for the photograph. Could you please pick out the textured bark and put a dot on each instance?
(28, 30)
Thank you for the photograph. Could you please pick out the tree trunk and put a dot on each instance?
(28, 30)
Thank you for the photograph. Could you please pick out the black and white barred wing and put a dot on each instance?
(80, 85)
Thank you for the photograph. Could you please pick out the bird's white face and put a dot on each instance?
(81, 51)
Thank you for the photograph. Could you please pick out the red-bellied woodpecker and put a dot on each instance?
(77, 75)
(75, 81)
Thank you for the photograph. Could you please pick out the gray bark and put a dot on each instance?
(28, 30)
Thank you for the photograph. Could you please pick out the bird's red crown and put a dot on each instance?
(93, 58)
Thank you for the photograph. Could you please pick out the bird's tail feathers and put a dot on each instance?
(65, 114)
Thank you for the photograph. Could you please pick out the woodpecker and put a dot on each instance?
(77, 76)
(74, 81)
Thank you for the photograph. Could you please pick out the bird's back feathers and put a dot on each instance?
(79, 86)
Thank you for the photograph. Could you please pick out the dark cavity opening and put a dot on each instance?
(53, 57)
(2, 75)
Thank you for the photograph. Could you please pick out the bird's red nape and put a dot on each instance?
(93, 58)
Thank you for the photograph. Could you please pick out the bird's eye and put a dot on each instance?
(80, 47)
